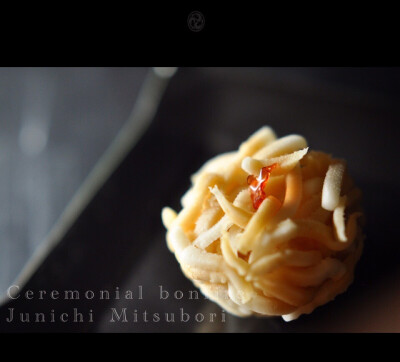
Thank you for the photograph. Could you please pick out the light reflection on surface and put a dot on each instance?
(54, 125)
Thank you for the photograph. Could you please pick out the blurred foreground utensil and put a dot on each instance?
(140, 118)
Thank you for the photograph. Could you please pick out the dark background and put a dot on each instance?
(119, 239)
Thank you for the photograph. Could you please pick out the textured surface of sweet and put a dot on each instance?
(286, 254)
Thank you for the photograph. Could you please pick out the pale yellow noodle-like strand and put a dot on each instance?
(289, 294)
(199, 274)
(208, 237)
(276, 186)
(268, 208)
(177, 240)
(209, 217)
(228, 165)
(200, 191)
(269, 306)
(219, 294)
(243, 201)
(281, 147)
(338, 220)
(261, 138)
(283, 232)
(284, 163)
(237, 215)
(168, 216)
(316, 230)
(332, 186)
(292, 196)
(234, 235)
(201, 259)
(269, 263)
(231, 257)
(328, 268)
(217, 165)
(239, 290)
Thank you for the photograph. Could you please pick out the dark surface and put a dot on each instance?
(119, 240)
